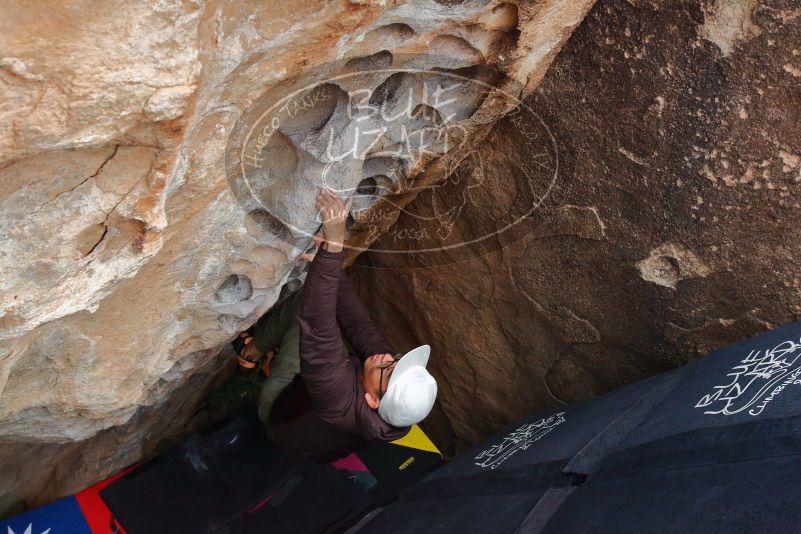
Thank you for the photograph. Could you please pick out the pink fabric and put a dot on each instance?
(350, 463)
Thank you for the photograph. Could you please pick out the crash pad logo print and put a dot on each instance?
(758, 379)
(518, 440)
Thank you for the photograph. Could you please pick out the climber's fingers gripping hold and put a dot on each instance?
(331, 207)
(334, 215)
(311, 252)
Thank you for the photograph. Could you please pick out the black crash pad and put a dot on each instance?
(714, 446)
(233, 480)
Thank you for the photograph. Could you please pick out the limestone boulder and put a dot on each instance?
(136, 240)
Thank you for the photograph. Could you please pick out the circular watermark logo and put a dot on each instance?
(410, 140)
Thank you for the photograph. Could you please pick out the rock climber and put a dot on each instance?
(320, 402)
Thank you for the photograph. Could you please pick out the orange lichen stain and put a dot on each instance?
(145, 204)
(158, 185)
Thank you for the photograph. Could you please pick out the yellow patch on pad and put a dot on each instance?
(416, 439)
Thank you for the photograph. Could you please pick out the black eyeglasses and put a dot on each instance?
(395, 358)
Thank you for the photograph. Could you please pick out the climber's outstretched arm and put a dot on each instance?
(357, 326)
(327, 374)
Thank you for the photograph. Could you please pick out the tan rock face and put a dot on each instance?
(672, 228)
(130, 252)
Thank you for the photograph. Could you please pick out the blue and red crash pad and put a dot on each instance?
(83, 513)
(233, 479)
(64, 515)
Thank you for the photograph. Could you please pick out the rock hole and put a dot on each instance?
(235, 288)
(277, 163)
(230, 323)
(370, 190)
(280, 155)
(502, 17)
(310, 111)
(390, 89)
(379, 60)
(388, 36)
(383, 186)
(455, 47)
(426, 127)
(392, 169)
(427, 114)
(264, 226)
(368, 186)
(376, 186)
(464, 90)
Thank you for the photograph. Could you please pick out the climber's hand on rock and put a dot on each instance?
(319, 239)
(312, 252)
(334, 214)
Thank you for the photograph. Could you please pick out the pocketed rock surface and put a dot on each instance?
(129, 254)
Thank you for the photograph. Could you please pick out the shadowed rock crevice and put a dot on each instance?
(264, 227)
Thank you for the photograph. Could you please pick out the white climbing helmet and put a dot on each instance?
(411, 390)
